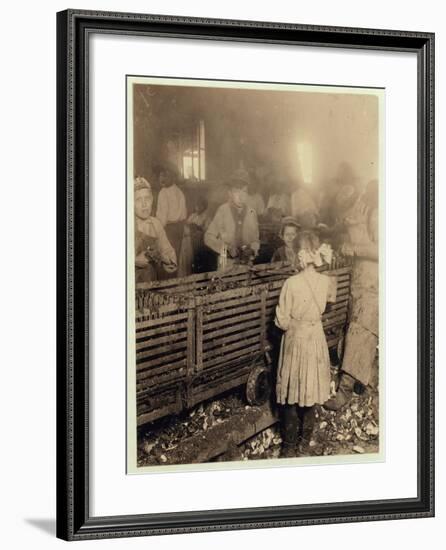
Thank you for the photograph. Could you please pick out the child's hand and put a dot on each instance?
(170, 268)
(233, 251)
(141, 260)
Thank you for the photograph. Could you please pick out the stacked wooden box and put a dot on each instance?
(201, 335)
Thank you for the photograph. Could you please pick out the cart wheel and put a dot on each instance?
(258, 386)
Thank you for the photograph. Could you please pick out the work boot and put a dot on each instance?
(288, 450)
(290, 430)
(308, 422)
(344, 393)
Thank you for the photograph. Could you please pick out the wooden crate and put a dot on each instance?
(201, 335)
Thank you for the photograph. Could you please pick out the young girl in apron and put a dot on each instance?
(303, 377)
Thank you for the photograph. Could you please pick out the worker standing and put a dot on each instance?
(171, 207)
(234, 231)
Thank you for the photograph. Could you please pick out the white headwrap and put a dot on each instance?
(141, 183)
(323, 254)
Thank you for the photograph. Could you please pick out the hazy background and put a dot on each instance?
(289, 135)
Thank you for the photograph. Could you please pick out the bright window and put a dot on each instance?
(193, 155)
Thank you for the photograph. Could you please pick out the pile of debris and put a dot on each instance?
(354, 429)
(157, 439)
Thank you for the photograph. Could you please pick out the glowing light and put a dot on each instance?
(305, 158)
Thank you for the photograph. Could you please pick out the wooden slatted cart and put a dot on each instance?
(201, 335)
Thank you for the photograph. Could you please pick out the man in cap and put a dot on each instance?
(153, 252)
(234, 230)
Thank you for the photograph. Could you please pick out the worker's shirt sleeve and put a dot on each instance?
(212, 236)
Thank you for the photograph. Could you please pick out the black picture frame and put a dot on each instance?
(73, 518)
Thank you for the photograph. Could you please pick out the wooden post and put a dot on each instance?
(199, 335)
(190, 341)
(263, 320)
(186, 389)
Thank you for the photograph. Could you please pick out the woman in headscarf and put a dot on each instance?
(154, 254)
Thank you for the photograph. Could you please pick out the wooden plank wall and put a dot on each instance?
(201, 335)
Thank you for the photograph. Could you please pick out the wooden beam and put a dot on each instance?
(222, 437)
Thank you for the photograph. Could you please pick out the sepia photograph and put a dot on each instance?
(254, 220)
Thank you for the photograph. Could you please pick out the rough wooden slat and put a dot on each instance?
(216, 342)
(234, 323)
(172, 408)
(251, 350)
(199, 338)
(228, 314)
(263, 321)
(165, 351)
(341, 271)
(149, 400)
(272, 297)
(217, 386)
(222, 296)
(336, 320)
(159, 340)
(233, 327)
(191, 342)
(343, 292)
(168, 373)
(215, 375)
(221, 303)
(234, 320)
(161, 309)
(176, 328)
(237, 273)
(161, 320)
(224, 350)
(340, 303)
(150, 364)
(174, 282)
(158, 393)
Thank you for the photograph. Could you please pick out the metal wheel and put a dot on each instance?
(258, 386)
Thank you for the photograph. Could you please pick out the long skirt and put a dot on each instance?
(303, 375)
(361, 340)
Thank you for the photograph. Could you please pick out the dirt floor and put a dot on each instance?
(228, 429)
(354, 430)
